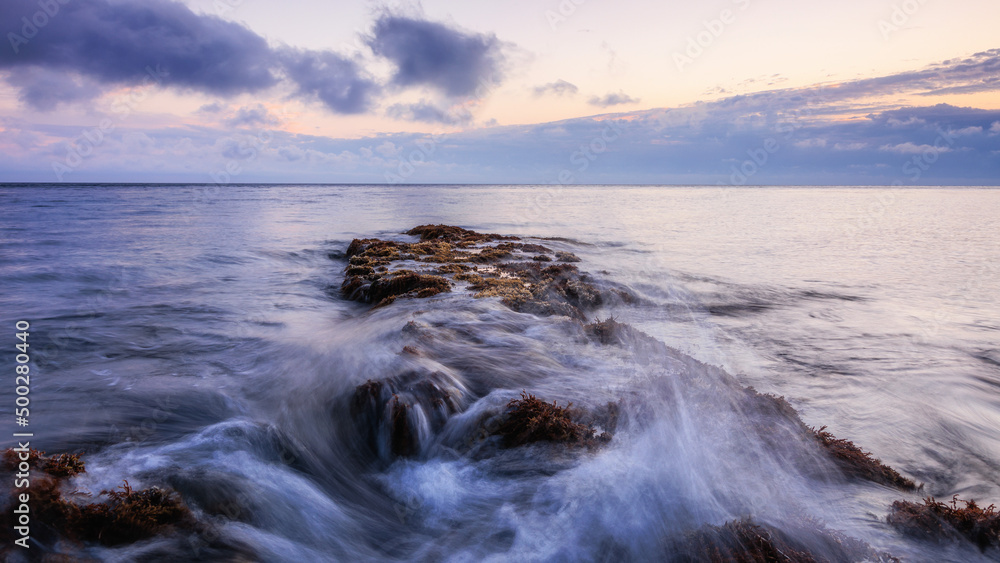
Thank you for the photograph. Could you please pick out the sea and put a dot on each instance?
(194, 337)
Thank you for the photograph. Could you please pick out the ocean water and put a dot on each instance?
(193, 336)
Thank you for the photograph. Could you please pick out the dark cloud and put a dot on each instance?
(120, 43)
(977, 73)
(431, 54)
(612, 100)
(333, 79)
(44, 89)
(87, 46)
(559, 88)
(429, 113)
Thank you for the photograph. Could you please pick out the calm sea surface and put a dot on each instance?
(193, 336)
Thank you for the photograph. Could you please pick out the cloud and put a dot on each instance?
(214, 107)
(911, 148)
(431, 54)
(811, 143)
(893, 122)
(559, 88)
(856, 146)
(612, 100)
(248, 116)
(974, 130)
(91, 46)
(868, 142)
(44, 89)
(331, 78)
(429, 113)
(115, 43)
(291, 153)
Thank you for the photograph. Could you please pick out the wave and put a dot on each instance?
(469, 403)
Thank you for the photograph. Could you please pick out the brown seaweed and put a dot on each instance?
(858, 463)
(62, 465)
(746, 541)
(127, 516)
(530, 420)
(938, 521)
(495, 266)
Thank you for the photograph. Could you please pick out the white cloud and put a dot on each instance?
(811, 143)
(968, 131)
(388, 149)
(995, 129)
(895, 123)
(850, 146)
(910, 148)
(559, 87)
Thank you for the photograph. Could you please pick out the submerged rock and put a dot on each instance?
(395, 417)
(777, 420)
(401, 415)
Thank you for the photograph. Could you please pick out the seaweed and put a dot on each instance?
(608, 331)
(127, 516)
(452, 234)
(938, 521)
(858, 463)
(455, 268)
(511, 291)
(741, 541)
(745, 541)
(62, 465)
(385, 289)
(530, 419)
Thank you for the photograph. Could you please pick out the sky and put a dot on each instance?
(720, 92)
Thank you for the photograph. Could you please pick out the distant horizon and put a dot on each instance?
(526, 185)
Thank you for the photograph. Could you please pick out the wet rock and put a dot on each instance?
(567, 257)
(524, 282)
(384, 289)
(453, 234)
(396, 417)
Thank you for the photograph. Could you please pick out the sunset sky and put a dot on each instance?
(735, 92)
